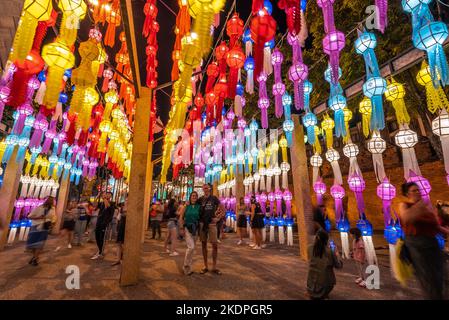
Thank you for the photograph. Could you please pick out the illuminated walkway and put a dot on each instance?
(272, 273)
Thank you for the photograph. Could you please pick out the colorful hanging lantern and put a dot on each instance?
(365, 110)
(278, 86)
(320, 189)
(406, 139)
(376, 145)
(328, 125)
(436, 98)
(395, 93)
(333, 156)
(338, 193)
(440, 127)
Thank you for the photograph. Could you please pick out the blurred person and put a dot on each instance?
(323, 259)
(121, 227)
(241, 220)
(172, 217)
(93, 222)
(257, 223)
(189, 224)
(319, 217)
(420, 225)
(68, 226)
(42, 218)
(105, 215)
(359, 255)
(81, 220)
(156, 219)
(211, 211)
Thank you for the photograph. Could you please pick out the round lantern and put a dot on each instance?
(285, 166)
(431, 34)
(309, 119)
(365, 41)
(406, 138)
(286, 99)
(374, 86)
(376, 144)
(332, 155)
(333, 41)
(235, 58)
(269, 172)
(351, 150)
(337, 191)
(256, 177)
(277, 171)
(249, 64)
(440, 125)
(410, 5)
(423, 184)
(316, 161)
(287, 195)
(319, 187)
(250, 180)
(356, 183)
(394, 91)
(386, 191)
(288, 125)
(298, 72)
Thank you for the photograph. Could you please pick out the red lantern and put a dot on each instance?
(257, 5)
(212, 74)
(210, 100)
(234, 29)
(292, 9)
(263, 29)
(221, 92)
(220, 52)
(235, 60)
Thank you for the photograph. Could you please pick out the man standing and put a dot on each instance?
(105, 215)
(211, 211)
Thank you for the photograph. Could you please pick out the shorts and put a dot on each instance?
(257, 222)
(69, 225)
(241, 222)
(171, 224)
(208, 233)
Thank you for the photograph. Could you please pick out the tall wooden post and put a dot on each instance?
(148, 185)
(239, 187)
(8, 193)
(136, 197)
(61, 203)
(301, 185)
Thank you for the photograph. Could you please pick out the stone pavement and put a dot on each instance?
(272, 273)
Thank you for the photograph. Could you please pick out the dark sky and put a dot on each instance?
(166, 39)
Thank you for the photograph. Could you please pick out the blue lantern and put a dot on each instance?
(288, 126)
(327, 225)
(268, 6)
(441, 241)
(343, 225)
(310, 121)
(365, 226)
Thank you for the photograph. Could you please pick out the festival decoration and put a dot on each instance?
(395, 93)
(406, 139)
(338, 193)
(440, 127)
(436, 98)
(376, 145)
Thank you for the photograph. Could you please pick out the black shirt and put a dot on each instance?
(105, 215)
(209, 206)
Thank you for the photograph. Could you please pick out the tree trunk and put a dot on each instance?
(426, 115)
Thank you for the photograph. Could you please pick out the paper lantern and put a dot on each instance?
(406, 138)
(436, 97)
(310, 121)
(316, 161)
(350, 150)
(332, 155)
(333, 43)
(327, 125)
(298, 73)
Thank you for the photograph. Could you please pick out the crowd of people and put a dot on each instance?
(202, 218)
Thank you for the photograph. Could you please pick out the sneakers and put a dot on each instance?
(252, 245)
(218, 240)
(174, 254)
(239, 242)
(69, 246)
(97, 257)
(58, 248)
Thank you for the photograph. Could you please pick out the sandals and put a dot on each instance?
(217, 272)
(204, 270)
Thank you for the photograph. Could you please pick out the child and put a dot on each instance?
(358, 254)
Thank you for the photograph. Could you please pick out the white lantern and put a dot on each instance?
(277, 171)
(256, 177)
(406, 138)
(376, 145)
(440, 125)
(350, 150)
(250, 180)
(269, 172)
(262, 171)
(316, 161)
(332, 155)
(285, 166)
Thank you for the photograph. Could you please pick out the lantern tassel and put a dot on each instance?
(267, 66)
(438, 66)
(337, 173)
(410, 162)
(381, 14)
(345, 245)
(249, 81)
(289, 235)
(377, 115)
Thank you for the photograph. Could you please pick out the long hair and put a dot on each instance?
(190, 198)
(320, 244)
(356, 233)
(49, 203)
(171, 204)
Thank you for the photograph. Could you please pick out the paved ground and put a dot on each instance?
(272, 273)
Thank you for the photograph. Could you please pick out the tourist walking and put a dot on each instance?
(157, 213)
(172, 233)
(121, 225)
(359, 255)
(211, 212)
(420, 225)
(42, 218)
(189, 224)
(323, 259)
(68, 225)
(257, 223)
(81, 221)
(104, 219)
(241, 220)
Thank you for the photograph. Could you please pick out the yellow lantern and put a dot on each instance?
(33, 12)
(283, 144)
(395, 93)
(2, 148)
(365, 108)
(328, 125)
(317, 145)
(72, 12)
(436, 98)
(91, 98)
(190, 59)
(58, 57)
(111, 98)
(44, 168)
(347, 115)
(105, 127)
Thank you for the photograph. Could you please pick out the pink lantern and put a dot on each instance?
(263, 105)
(279, 196)
(386, 191)
(298, 73)
(357, 185)
(23, 111)
(320, 189)
(233, 202)
(338, 193)
(288, 202)
(4, 97)
(263, 202)
(49, 136)
(27, 207)
(247, 200)
(19, 204)
(271, 197)
(278, 86)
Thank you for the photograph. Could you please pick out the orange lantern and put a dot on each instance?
(113, 18)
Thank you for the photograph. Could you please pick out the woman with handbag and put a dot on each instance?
(189, 222)
(419, 222)
(42, 219)
(323, 259)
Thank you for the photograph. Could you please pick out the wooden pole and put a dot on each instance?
(148, 183)
(8, 193)
(301, 185)
(133, 231)
(61, 202)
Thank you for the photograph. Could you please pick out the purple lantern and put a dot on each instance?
(298, 73)
(288, 202)
(271, 197)
(386, 191)
(320, 188)
(338, 193)
(263, 202)
(278, 196)
(333, 43)
(357, 185)
(278, 86)
(423, 185)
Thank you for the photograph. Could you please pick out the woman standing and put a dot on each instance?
(171, 228)
(189, 223)
(93, 222)
(241, 220)
(42, 218)
(68, 225)
(321, 278)
(121, 225)
(257, 223)
(419, 222)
